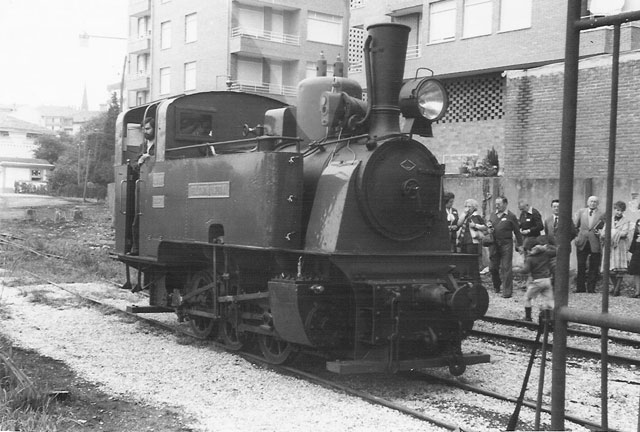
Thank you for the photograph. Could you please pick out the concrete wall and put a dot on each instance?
(539, 192)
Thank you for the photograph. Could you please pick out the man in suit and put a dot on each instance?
(530, 220)
(452, 218)
(589, 221)
(551, 223)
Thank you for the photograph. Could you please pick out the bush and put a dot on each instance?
(487, 167)
(27, 187)
(70, 190)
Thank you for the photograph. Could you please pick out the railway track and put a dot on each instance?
(572, 350)
(311, 376)
(572, 331)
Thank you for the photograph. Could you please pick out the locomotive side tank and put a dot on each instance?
(323, 232)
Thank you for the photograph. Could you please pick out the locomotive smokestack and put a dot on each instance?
(385, 54)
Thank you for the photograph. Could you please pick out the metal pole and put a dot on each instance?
(567, 154)
(124, 68)
(543, 363)
(86, 171)
(613, 123)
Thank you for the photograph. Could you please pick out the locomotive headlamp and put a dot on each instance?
(424, 97)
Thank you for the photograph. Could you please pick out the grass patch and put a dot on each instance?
(21, 409)
(62, 252)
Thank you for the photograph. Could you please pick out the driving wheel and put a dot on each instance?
(202, 327)
(276, 350)
(232, 339)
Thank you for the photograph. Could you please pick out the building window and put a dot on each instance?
(477, 18)
(141, 64)
(190, 28)
(515, 14)
(36, 175)
(442, 21)
(311, 70)
(165, 35)
(141, 97)
(4, 133)
(414, 21)
(32, 135)
(143, 27)
(190, 76)
(165, 81)
(324, 28)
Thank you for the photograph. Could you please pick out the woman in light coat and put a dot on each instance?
(621, 228)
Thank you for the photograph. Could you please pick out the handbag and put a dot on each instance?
(487, 240)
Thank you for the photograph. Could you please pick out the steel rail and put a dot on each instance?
(620, 359)
(572, 331)
(421, 375)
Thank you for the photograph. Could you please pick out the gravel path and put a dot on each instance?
(222, 391)
(226, 393)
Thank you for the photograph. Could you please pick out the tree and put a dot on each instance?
(51, 147)
(97, 144)
(85, 157)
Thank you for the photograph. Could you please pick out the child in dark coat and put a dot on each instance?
(538, 264)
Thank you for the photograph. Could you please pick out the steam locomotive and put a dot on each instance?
(319, 227)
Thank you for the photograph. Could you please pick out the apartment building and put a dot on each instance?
(258, 46)
(501, 61)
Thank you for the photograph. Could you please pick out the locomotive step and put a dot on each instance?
(367, 366)
(148, 309)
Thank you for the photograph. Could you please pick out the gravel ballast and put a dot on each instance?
(221, 390)
(225, 392)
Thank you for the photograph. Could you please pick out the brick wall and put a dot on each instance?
(533, 120)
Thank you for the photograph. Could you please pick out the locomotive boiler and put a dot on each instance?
(318, 227)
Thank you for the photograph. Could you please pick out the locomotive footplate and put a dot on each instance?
(346, 367)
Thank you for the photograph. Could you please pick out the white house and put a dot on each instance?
(19, 170)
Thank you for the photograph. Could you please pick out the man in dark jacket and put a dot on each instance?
(504, 226)
(452, 218)
(530, 220)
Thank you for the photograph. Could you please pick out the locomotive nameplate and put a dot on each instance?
(208, 190)
(157, 179)
(157, 201)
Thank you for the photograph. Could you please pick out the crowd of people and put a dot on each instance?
(535, 238)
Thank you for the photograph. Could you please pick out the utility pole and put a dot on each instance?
(84, 42)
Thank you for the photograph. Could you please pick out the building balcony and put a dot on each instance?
(281, 4)
(414, 51)
(265, 35)
(403, 7)
(259, 43)
(264, 88)
(140, 45)
(139, 8)
(138, 82)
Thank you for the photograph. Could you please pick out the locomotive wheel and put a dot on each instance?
(202, 327)
(275, 350)
(229, 328)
